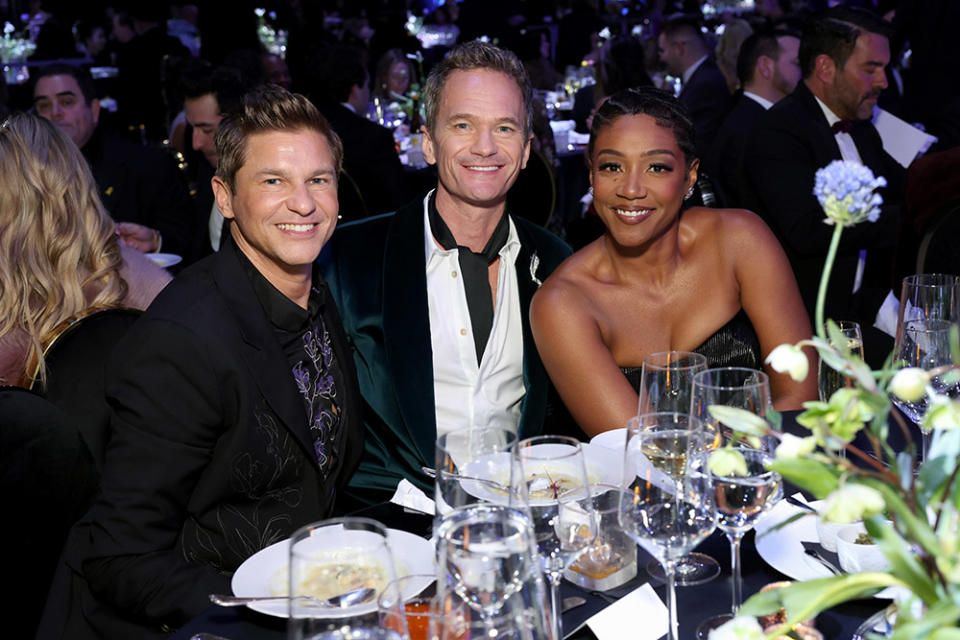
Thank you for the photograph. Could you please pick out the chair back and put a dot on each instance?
(352, 204)
(937, 252)
(534, 195)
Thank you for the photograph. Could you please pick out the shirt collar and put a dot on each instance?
(692, 68)
(763, 102)
(830, 115)
(434, 251)
(347, 105)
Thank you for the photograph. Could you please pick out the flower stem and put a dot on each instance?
(825, 278)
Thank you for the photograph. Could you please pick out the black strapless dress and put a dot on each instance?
(735, 344)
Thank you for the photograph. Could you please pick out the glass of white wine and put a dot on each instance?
(828, 378)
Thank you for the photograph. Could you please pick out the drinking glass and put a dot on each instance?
(612, 558)
(929, 296)
(829, 379)
(485, 555)
(518, 620)
(410, 616)
(924, 344)
(550, 480)
(739, 387)
(666, 384)
(665, 512)
(472, 465)
(740, 501)
(330, 558)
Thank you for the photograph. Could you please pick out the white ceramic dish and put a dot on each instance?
(856, 558)
(615, 439)
(164, 259)
(260, 574)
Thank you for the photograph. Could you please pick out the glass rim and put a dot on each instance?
(697, 360)
(365, 524)
(699, 378)
(936, 279)
(529, 443)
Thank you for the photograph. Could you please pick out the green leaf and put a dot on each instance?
(940, 463)
(818, 478)
(775, 419)
(903, 562)
(740, 420)
(938, 622)
(955, 343)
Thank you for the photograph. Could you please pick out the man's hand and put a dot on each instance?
(139, 237)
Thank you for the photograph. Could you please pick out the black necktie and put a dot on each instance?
(843, 126)
(473, 266)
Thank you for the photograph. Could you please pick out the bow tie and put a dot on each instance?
(843, 126)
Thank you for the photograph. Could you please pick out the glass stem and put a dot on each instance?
(924, 445)
(669, 570)
(737, 600)
(555, 606)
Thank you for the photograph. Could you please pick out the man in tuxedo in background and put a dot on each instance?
(768, 68)
(843, 56)
(435, 297)
(685, 55)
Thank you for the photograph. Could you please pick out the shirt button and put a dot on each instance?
(463, 332)
(453, 273)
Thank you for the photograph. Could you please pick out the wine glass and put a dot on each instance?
(740, 500)
(550, 480)
(331, 558)
(665, 512)
(928, 296)
(829, 379)
(520, 619)
(739, 387)
(925, 344)
(666, 384)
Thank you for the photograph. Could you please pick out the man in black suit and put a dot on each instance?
(768, 67)
(843, 54)
(435, 297)
(138, 185)
(235, 412)
(685, 55)
(342, 91)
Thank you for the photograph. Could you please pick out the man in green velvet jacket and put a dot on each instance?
(435, 297)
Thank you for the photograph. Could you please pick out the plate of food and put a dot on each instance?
(164, 259)
(265, 573)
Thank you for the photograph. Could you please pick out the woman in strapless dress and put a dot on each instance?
(661, 277)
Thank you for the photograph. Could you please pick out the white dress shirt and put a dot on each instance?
(467, 394)
(763, 102)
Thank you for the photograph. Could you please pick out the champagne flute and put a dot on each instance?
(740, 387)
(665, 512)
(666, 384)
(550, 480)
(829, 379)
(924, 344)
(740, 501)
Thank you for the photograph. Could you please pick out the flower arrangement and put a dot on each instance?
(911, 512)
(15, 48)
(274, 40)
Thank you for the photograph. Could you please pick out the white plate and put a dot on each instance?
(164, 259)
(260, 573)
(782, 549)
(604, 466)
(615, 439)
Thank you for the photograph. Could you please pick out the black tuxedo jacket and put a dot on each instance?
(210, 459)
(707, 98)
(376, 270)
(726, 154)
(791, 142)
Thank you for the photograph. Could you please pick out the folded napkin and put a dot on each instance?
(888, 315)
(640, 604)
(412, 498)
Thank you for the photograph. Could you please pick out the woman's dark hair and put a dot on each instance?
(649, 101)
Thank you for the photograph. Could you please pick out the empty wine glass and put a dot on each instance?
(668, 514)
(472, 465)
(828, 378)
(740, 500)
(740, 387)
(331, 558)
(928, 296)
(666, 384)
(550, 480)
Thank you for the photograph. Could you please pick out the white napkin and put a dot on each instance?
(888, 315)
(640, 604)
(410, 497)
(579, 138)
(901, 140)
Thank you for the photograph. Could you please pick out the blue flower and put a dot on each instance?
(846, 192)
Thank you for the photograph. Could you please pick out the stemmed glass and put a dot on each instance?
(929, 296)
(740, 500)
(666, 511)
(740, 387)
(666, 384)
(472, 465)
(550, 480)
(829, 379)
(334, 557)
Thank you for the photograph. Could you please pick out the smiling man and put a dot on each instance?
(236, 417)
(843, 54)
(435, 296)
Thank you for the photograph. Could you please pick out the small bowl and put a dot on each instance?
(857, 558)
(827, 533)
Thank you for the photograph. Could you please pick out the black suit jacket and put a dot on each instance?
(793, 141)
(210, 459)
(707, 98)
(376, 270)
(726, 154)
(370, 157)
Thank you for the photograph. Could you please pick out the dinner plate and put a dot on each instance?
(782, 549)
(265, 573)
(614, 439)
(604, 466)
(164, 259)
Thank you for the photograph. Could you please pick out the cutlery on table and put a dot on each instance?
(816, 555)
(207, 636)
(572, 603)
(430, 472)
(343, 600)
(800, 503)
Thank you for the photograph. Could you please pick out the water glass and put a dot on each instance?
(740, 387)
(666, 381)
(829, 379)
(472, 465)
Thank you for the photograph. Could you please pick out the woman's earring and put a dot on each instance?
(590, 190)
(689, 194)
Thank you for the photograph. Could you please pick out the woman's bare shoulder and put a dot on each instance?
(570, 282)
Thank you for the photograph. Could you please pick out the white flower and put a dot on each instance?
(793, 447)
(740, 628)
(851, 502)
(943, 413)
(845, 191)
(788, 358)
(909, 384)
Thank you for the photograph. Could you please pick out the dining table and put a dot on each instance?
(694, 603)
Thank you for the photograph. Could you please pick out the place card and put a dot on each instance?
(412, 498)
(640, 604)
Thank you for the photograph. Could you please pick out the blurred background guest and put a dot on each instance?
(729, 42)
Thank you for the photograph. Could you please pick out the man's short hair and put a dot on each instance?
(683, 26)
(226, 84)
(82, 76)
(268, 108)
(834, 32)
(756, 45)
(476, 55)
